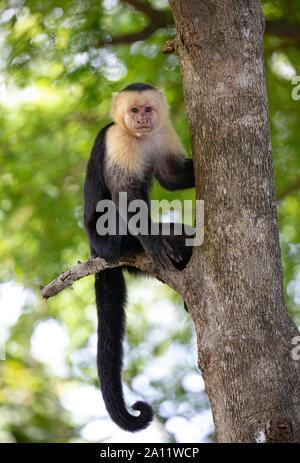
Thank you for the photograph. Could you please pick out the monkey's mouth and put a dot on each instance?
(143, 128)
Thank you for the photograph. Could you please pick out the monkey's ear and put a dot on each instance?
(164, 109)
(113, 104)
(113, 97)
(117, 107)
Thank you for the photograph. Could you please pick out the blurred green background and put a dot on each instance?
(60, 61)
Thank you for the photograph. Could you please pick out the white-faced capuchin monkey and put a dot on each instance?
(128, 153)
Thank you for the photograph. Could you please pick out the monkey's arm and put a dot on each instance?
(95, 189)
(174, 173)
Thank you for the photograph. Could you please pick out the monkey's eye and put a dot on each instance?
(148, 109)
(134, 110)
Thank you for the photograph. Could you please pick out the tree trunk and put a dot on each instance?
(234, 289)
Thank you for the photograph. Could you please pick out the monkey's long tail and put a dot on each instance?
(110, 299)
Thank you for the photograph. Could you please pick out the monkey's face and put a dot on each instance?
(141, 119)
(139, 113)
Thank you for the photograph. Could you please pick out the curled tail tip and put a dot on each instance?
(129, 422)
(146, 416)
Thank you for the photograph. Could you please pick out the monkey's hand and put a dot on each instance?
(162, 251)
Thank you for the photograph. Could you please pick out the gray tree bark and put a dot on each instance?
(233, 285)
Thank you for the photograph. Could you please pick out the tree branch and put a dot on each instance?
(288, 43)
(157, 18)
(97, 264)
(160, 19)
(279, 28)
(154, 15)
(169, 47)
(283, 29)
(130, 38)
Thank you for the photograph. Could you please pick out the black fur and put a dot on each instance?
(109, 284)
(172, 174)
(110, 300)
(138, 87)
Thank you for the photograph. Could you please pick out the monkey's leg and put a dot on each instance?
(185, 251)
(178, 244)
(130, 246)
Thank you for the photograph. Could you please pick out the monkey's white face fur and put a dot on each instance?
(139, 113)
(142, 130)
